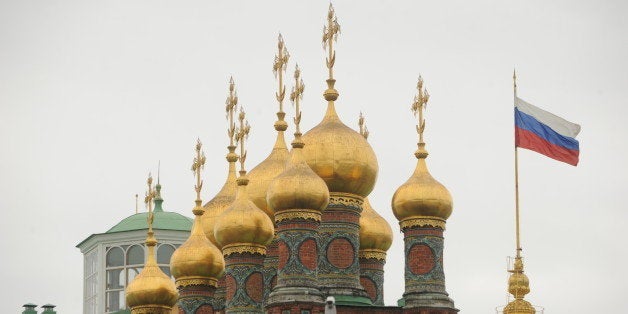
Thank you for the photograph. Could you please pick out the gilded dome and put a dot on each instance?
(216, 206)
(297, 187)
(422, 196)
(375, 232)
(151, 289)
(243, 222)
(263, 174)
(340, 156)
(197, 259)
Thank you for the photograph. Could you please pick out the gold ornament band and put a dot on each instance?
(291, 214)
(347, 199)
(422, 221)
(243, 248)
(195, 281)
(151, 309)
(373, 253)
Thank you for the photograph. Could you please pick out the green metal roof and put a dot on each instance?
(352, 300)
(163, 221)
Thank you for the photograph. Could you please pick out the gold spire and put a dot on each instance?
(263, 174)
(334, 151)
(518, 286)
(421, 200)
(217, 205)
(151, 291)
(375, 232)
(197, 261)
(243, 227)
(330, 35)
(297, 191)
(136, 203)
(419, 104)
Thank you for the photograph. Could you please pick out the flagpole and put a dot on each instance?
(514, 82)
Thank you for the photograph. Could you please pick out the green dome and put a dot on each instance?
(163, 221)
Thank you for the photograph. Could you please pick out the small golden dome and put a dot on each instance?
(340, 156)
(243, 222)
(197, 259)
(263, 174)
(222, 200)
(375, 232)
(151, 289)
(297, 187)
(422, 196)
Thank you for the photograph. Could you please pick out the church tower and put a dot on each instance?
(265, 172)
(217, 205)
(197, 264)
(244, 231)
(347, 164)
(297, 197)
(422, 206)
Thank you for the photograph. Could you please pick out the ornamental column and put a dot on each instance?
(422, 206)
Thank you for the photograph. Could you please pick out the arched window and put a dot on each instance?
(116, 280)
(134, 261)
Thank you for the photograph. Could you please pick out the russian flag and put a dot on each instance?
(545, 133)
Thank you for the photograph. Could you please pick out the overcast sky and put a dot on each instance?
(94, 93)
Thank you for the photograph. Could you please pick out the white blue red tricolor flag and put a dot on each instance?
(545, 133)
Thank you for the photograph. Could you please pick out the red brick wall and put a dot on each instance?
(340, 253)
(421, 259)
(308, 254)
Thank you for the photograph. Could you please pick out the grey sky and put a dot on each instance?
(94, 93)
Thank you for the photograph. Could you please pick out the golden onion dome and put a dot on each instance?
(375, 232)
(216, 206)
(265, 172)
(243, 223)
(422, 196)
(298, 187)
(151, 290)
(340, 156)
(197, 259)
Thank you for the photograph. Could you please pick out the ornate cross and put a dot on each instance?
(279, 67)
(231, 105)
(419, 104)
(296, 96)
(148, 201)
(197, 164)
(330, 34)
(241, 136)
